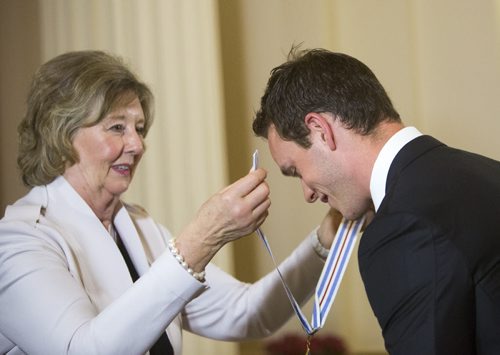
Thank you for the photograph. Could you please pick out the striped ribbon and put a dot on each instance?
(333, 270)
(331, 276)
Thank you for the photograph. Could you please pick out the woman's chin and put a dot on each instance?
(119, 188)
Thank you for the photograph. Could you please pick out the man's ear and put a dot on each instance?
(320, 126)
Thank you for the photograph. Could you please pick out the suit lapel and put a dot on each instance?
(409, 153)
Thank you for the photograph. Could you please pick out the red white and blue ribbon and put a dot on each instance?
(333, 270)
(331, 276)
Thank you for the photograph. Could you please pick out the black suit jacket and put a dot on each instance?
(430, 259)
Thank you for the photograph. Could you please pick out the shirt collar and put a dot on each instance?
(384, 160)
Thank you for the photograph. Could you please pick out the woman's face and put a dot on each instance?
(108, 153)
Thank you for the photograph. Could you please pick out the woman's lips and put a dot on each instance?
(122, 169)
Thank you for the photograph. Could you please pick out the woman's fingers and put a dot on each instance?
(246, 195)
(247, 183)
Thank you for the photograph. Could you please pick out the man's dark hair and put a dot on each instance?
(319, 81)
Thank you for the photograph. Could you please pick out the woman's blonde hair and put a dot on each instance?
(73, 90)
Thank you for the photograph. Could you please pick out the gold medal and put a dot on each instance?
(308, 345)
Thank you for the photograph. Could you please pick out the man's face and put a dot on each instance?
(324, 174)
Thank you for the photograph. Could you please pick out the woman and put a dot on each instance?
(71, 249)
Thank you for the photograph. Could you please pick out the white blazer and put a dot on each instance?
(65, 288)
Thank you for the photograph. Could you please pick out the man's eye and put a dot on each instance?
(296, 174)
(291, 172)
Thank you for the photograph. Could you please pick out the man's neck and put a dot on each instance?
(367, 148)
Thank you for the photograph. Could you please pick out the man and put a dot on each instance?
(430, 258)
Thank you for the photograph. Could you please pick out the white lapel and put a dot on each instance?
(104, 274)
(128, 234)
(153, 236)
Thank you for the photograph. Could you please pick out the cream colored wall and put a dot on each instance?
(439, 61)
(459, 73)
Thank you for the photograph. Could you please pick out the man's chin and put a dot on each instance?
(354, 212)
(350, 214)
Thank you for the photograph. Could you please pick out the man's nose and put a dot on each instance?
(309, 195)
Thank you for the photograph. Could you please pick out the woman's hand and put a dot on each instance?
(328, 228)
(330, 224)
(232, 213)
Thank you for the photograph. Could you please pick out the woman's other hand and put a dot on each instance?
(328, 227)
(330, 224)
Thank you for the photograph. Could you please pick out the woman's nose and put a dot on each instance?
(134, 142)
(309, 195)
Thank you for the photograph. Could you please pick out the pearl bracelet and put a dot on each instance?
(200, 276)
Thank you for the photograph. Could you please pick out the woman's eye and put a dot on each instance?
(118, 128)
(141, 131)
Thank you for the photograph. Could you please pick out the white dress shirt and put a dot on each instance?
(384, 160)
